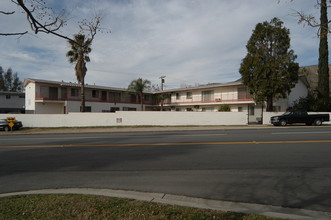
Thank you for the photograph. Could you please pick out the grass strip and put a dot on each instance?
(82, 207)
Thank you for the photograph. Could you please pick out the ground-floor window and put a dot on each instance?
(87, 108)
(114, 109)
(129, 109)
(208, 109)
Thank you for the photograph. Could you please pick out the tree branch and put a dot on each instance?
(7, 13)
(42, 19)
(13, 34)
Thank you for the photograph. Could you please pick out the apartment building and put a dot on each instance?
(12, 102)
(54, 97)
(210, 97)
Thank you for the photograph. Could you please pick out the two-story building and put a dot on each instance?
(44, 96)
(12, 102)
(54, 97)
(210, 97)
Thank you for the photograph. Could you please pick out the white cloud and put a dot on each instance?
(189, 41)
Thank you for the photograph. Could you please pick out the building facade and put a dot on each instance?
(53, 97)
(12, 102)
(209, 98)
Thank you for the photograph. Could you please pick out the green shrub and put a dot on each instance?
(224, 108)
(313, 104)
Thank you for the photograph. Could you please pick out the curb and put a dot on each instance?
(266, 210)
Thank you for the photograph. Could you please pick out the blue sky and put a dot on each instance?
(188, 41)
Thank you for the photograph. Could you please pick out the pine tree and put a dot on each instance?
(269, 70)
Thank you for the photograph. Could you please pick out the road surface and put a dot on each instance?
(289, 167)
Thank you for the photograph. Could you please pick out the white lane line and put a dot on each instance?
(195, 135)
(304, 132)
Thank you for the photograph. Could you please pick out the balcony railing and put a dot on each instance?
(216, 100)
(128, 100)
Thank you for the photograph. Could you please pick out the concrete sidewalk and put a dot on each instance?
(131, 129)
(266, 210)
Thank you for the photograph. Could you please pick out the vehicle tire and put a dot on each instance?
(318, 122)
(283, 123)
(6, 128)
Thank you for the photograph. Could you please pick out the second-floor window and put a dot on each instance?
(146, 98)
(74, 92)
(53, 92)
(177, 96)
(207, 95)
(243, 93)
(115, 96)
(95, 93)
(188, 95)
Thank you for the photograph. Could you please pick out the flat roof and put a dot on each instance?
(206, 86)
(73, 84)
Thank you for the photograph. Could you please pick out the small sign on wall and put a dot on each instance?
(118, 120)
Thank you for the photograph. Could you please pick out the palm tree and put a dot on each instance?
(80, 48)
(139, 85)
(160, 98)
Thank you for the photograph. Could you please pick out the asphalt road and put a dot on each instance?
(287, 167)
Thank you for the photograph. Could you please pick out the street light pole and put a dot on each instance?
(162, 82)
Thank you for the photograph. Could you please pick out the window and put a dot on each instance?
(21, 96)
(207, 109)
(115, 96)
(207, 95)
(146, 98)
(129, 109)
(188, 95)
(8, 97)
(189, 109)
(53, 92)
(114, 109)
(95, 93)
(87, 108)
(104, 95)
(74, 92)
(133, 98)
(243, 93)
(240, 109)
(177, 96)
(276, 108)
(64, 94)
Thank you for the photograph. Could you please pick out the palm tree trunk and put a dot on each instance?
(83, 95)
(142, 102)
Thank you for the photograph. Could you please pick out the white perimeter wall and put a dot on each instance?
(123, 118)
(147, 118)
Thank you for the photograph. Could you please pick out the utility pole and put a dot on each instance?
(162, 81)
